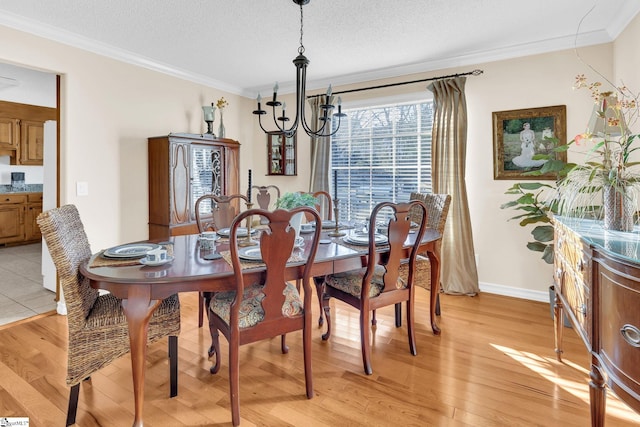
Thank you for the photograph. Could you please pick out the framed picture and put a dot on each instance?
(518, 135)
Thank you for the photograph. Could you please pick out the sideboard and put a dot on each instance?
(597, 282)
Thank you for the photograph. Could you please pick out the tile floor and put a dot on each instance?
(21, 292)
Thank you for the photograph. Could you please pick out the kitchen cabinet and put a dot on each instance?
(33, 209)
(31, 142)
(183, 167)
(12, 208)
(9, 139)
(597, 284)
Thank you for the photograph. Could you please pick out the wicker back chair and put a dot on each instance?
(437, 211)
(98, 331)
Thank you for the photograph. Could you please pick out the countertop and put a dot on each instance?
(29, 188)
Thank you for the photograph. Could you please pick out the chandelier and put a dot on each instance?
(326, 107)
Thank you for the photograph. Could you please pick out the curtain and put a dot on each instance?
(320, 151)
(459, 274)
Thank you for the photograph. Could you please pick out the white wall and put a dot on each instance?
(110, 108)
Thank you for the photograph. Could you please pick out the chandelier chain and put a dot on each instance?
(301, 48)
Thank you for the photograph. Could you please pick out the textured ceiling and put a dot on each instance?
(243, 46)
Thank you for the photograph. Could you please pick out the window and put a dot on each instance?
(381, 153)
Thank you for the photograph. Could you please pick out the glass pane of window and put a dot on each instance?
(381, 153)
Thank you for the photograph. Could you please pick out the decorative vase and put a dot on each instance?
(619, 207)
(296, 223)
(221, 130)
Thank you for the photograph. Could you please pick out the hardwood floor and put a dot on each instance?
(493, 365)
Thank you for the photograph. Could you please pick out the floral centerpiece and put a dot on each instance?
(608, 170)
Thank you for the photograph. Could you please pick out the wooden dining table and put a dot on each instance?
(143, 287)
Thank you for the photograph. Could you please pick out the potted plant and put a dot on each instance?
(605, 185)
(295, 200)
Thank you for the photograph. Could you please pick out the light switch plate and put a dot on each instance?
(82, 188)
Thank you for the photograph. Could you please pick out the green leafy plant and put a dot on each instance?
(295, 200)
(535, 202)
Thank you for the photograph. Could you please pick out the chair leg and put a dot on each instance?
(173, 366)
(410, 329)
(283, 344)
(438, 305)
(234, 384)
(215, 348)
(327, 315)
(398, 310)
(200, 309)
(306, 352)
(319, 281)
(374, 321)
(365, 341)
(73, 404)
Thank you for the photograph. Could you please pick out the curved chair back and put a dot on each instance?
(216, 212)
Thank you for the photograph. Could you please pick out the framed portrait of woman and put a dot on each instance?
(524, 141)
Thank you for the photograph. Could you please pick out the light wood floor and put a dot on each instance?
(494, 365)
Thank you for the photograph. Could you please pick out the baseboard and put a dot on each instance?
(542, 296)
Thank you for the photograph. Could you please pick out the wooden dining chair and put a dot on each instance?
(266, 197)
(437, 211)
(213, 213)
(268, 306)
(378, 283)
(97, 326)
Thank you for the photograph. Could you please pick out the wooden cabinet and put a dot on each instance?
(33, 209)
(9, 139)
(597, 282)
(22, 132)
(182, 167)
(281, 154)
(12, 208)
(31, 142)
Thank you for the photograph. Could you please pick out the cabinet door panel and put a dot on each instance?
(11, 223)
(9, 133)
(32, 143)
(207, 166)
(179, 183)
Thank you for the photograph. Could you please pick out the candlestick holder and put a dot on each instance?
(336, 214)
(248, 241)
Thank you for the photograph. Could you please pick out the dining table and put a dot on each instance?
(142, 287)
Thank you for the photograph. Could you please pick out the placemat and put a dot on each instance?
(254, 264)
(102, 261)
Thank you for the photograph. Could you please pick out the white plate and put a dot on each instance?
(131, 250)
(328, 224)
(145, 261)
(363, 239)
(308, 231)
(250, 253)
(242, 231)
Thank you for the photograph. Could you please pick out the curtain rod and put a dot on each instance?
(475, 72)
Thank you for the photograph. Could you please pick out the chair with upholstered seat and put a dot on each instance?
(378, 284)
(269, 305)
(437, 210)
(97, 326)
(213, 213)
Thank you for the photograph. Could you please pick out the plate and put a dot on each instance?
(328, 224)
(363, 239)
(130, 250)
(145, 261)
(242, 231)
(307, 231)
(251, 253)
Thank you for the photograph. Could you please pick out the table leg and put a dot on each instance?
(138, 308)
(434, 259)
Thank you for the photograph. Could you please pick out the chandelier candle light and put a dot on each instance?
(301, 62)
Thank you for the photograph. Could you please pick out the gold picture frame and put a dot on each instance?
(518, 135)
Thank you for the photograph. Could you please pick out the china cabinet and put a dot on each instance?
(281, 154)
(597, 283)
(183, 167)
